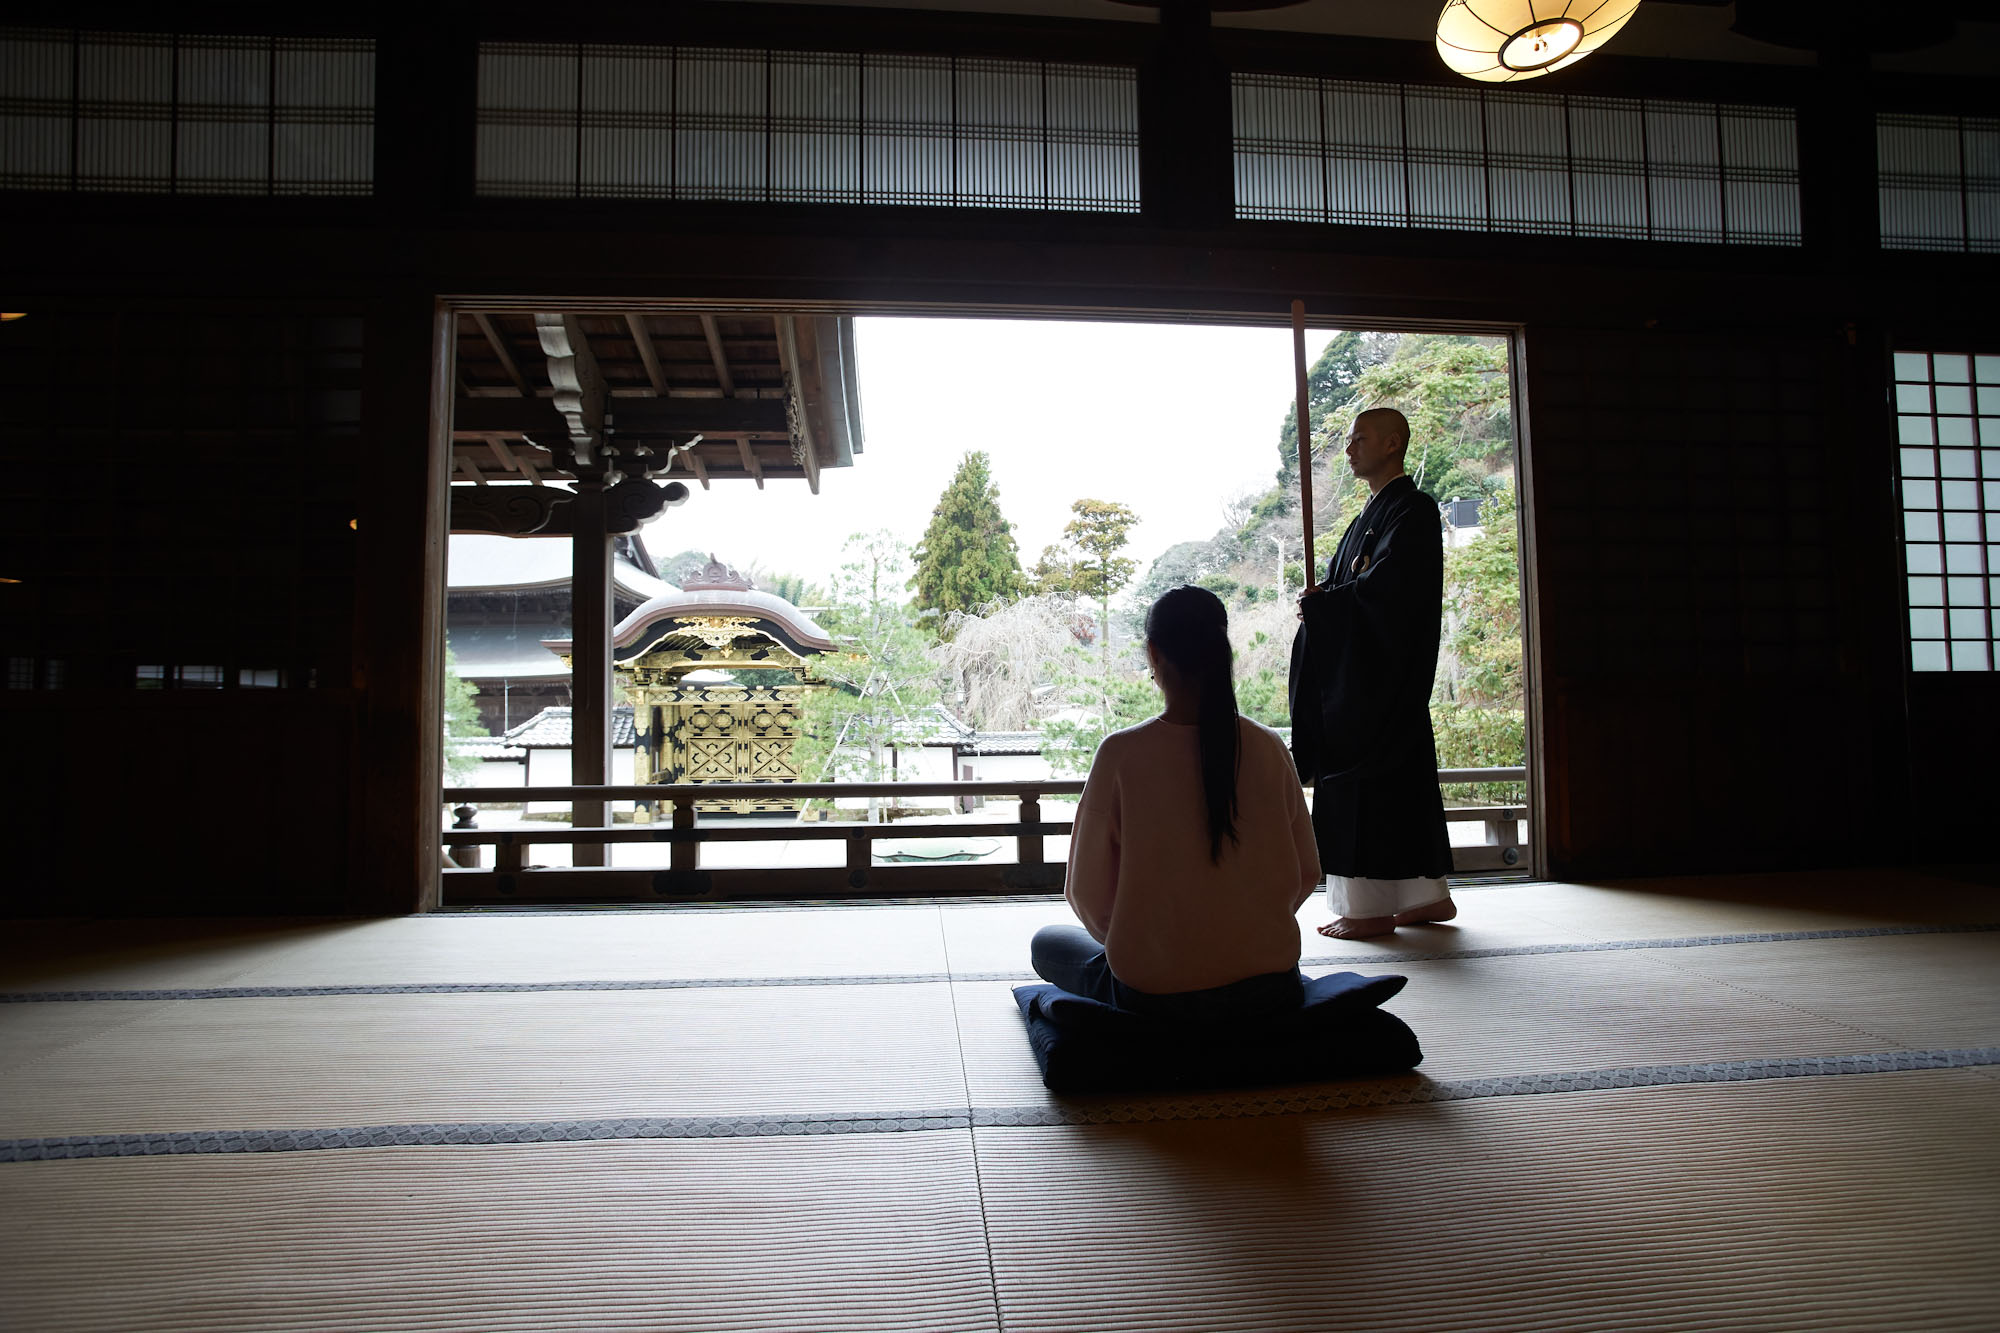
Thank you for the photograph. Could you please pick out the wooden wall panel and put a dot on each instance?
(1716, 639)
(178, 486)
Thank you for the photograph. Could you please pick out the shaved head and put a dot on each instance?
(1376, 443)
(1393, 424)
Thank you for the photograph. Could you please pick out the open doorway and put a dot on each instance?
(906, 552)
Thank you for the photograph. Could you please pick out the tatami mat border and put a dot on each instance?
(1397, 1092)
(919, 978)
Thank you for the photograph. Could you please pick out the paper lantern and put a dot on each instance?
(1498, 41)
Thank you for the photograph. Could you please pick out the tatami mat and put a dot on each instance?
(631, 945)
(523, 947)
(1915, 990)
(397, 1059)
(1820, 900)
(1836, 1203)
(830, 1120)
(139, 954)
(813, 1235)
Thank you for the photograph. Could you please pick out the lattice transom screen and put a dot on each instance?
(1413, 155)
(1948, 432)
(631, 122)
(158, 113)
(1938, 178)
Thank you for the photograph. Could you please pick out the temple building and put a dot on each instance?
(505, 597)
(712, 675)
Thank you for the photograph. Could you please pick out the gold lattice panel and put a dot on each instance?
(722, 734)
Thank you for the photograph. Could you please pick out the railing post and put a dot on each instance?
(1029, 845)
(471, 856)
(686, 854)
(860, 856)
(1506, 835)
(509, 854)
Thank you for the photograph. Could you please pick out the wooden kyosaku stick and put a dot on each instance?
(1305, 439)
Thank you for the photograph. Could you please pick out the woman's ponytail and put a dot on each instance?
(1190, 629)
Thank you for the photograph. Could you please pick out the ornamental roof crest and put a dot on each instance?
(716, 576)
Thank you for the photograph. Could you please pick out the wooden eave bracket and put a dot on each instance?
(578, 384)
(801, 376)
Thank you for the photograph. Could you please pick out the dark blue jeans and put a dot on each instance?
(1067, 957)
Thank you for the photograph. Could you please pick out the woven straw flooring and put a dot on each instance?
(1754, 1103)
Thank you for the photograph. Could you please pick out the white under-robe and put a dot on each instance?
(1358, 897)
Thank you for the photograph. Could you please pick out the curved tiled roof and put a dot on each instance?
(772, 615)
(550, 729)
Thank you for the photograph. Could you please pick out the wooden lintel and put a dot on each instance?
(647, 353)
(637, 417)
(499, 347)
(717, 355)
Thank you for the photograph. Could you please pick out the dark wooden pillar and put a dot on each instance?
(590, 661)
(399, 608)
(1186, 170)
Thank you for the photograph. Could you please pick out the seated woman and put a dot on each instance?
(1192, 848)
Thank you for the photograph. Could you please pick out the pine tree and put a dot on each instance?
(967, 559)
(1097, 534)
(461, 720)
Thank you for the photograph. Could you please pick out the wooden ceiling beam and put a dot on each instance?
(648, 354)
(750, 463)
(502, 454)
(499, 347)
(717, 355)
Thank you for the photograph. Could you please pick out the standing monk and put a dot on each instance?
(1360, 689)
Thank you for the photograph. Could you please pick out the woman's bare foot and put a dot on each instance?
(1444, 909)
(1358, 927)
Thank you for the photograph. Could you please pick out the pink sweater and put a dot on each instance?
(1139, 874)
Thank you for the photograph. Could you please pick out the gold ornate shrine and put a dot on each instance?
(709, 729)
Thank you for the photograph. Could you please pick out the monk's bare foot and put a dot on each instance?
(1358, 927)
(1444, 909)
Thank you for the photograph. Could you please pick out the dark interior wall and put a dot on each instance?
(209, 390)
(1954, 734)
(1719, 649)
(180, 485)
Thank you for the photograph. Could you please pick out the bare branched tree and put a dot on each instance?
(1261, 633)
(998, 666)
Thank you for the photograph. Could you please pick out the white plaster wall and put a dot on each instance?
(1008, 767)
(495, 773)
(550, 768)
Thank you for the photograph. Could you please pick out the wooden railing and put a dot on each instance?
(510, 878)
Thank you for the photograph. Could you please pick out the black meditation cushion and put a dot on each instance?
(1082, 1045)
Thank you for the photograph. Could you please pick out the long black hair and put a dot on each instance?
(1189, 628)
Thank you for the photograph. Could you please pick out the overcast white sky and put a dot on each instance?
(1170, 420)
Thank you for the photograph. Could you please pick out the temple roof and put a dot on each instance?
(550, 729)
(512, 652)
(476, 562)
(716, 592)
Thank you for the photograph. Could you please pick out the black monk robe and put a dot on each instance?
(1362, 666)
